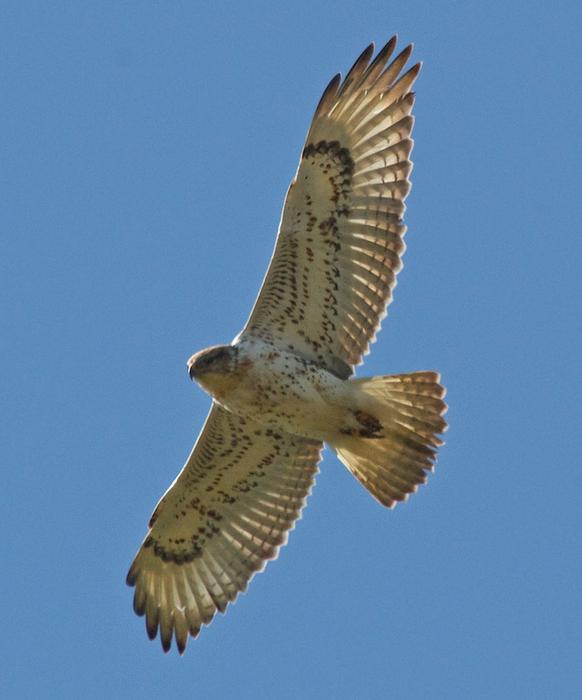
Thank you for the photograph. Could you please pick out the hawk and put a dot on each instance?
(283, 387)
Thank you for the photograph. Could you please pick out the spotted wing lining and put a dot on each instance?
(226, 514)
(340, 242)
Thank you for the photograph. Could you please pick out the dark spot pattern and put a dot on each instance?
(239, 493)
(336, 258)
(371, 426)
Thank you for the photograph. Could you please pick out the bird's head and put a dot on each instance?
(214, 368)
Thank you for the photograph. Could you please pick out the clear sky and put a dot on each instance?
(146, 149)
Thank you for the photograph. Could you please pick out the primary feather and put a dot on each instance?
(340, 241)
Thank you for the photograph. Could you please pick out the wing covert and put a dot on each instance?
(340, 241)
(227, 513)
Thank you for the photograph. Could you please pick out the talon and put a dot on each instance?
(369, 422)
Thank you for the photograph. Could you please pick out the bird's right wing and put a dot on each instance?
(340, 244)
(226, 514)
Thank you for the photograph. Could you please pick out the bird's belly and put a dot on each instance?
(290, 396)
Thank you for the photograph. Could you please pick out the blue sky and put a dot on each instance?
(146, 150)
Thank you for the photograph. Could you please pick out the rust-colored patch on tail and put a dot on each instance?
(371, 426)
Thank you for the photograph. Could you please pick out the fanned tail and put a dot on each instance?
(393, 439)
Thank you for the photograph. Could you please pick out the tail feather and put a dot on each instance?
(392, 453)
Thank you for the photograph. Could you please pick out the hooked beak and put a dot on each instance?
(192, 368)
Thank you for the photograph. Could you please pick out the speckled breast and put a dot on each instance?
(287, 391)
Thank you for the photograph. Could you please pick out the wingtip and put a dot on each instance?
(328, 94)
(364, 57)
(166, 643)
(131, 578)
(181, 644)
(151, 629)
(138, 605)
(384, 53)
(406, 52)
(390, 44)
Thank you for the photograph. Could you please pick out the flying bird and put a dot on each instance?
(284, 386)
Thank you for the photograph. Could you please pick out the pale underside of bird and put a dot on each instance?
(283, 387)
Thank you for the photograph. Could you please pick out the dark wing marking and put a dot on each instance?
(225, 515)
(340, 240)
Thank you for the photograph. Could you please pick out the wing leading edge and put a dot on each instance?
(340, 241)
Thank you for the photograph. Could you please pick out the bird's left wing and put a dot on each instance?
(340, 240)
(225, 515)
